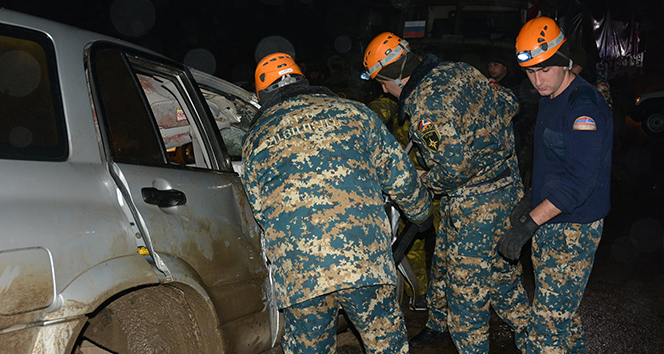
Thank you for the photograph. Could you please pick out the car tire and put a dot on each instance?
(653, 125)
(149, 320)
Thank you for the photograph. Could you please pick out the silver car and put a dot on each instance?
(124, 225)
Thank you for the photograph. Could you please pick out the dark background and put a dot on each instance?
(229, 30)
(623, 308)
(220, 36)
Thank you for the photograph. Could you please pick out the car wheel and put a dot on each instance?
(149, 320)
(653, 125)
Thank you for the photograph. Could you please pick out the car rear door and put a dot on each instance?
(232, 107)
(167, 158)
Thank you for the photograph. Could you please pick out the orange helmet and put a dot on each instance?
(272, 68)
(383, 50)
(538, 40)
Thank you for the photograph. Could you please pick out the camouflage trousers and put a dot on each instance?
(468, 275)
(311, 326)
(563, 256)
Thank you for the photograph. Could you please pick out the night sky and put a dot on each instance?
(216, 36)
(221, 36)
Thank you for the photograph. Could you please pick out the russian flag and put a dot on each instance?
(424, 125)
(413, 29)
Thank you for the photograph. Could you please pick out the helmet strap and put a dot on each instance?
(397, 81)
(283, 81)
(286, 80)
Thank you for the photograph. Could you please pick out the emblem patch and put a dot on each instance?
(431, 139)
(584, 123)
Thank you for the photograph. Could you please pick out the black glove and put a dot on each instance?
(425, 224)
(522, 207)
(512, 241)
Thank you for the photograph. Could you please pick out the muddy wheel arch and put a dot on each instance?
(156, 319)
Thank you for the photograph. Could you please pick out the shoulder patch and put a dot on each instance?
(582, 95)
(431, 140)
(424, 126)
(584, 123)
(429, 134)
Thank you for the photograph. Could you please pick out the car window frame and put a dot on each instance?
(61, 151)
(230, 91)
(211, 139)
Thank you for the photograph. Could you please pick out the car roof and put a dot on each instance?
(61, 33)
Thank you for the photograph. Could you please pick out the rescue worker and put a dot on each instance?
(570, 188)
(499, 70)
(314, 168)
(461, 125)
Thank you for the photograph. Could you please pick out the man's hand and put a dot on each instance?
(522, 207)
(512, 241)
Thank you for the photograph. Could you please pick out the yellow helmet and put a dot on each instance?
(272, 68)
(538, 40)
(383, 50)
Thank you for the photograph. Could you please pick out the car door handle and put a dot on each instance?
(163, 198)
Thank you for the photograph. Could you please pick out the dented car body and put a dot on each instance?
(123, 221)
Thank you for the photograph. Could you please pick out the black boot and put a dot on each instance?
(426, 337)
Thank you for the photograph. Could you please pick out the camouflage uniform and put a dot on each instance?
(462, 126)
(563, 255)
(315, 167)
(370, 308)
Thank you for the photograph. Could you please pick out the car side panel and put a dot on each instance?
(78, 223)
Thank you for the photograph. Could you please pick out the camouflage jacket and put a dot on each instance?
(314, 168)
(461, 124)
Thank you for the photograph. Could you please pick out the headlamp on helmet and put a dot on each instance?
(527, 55)
(538, 40)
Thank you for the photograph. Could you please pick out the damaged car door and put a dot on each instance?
(172, 168)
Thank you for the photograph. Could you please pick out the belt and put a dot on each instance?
(506, 173)
(483, 187)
